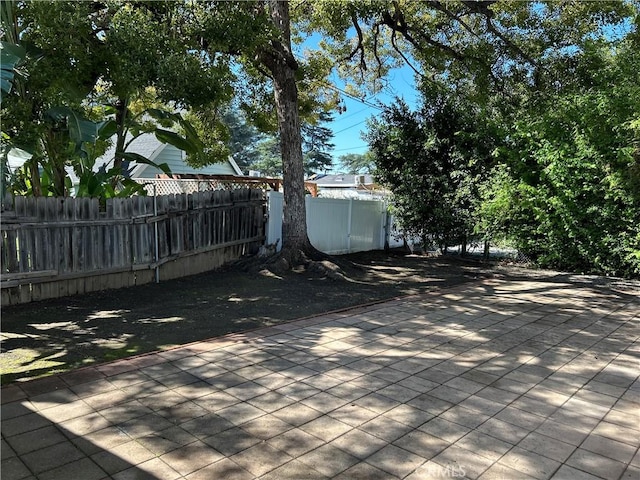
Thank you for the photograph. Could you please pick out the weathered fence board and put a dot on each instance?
(54, 247)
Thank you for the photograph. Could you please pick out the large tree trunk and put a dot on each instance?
(294, 226)
(282, 65)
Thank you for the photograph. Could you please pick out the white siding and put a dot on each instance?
(172, 156)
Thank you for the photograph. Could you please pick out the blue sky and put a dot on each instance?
(348, 126)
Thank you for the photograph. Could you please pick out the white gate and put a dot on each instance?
(336, 226)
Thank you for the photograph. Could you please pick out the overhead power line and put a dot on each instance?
(343, 92)
(349, 116)
(349, 127)
(353, 97)
(350, 148)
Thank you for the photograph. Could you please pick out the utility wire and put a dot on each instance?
(353, 97)
(343, 92)
(349, 127)
(350, 148)
(350, 115)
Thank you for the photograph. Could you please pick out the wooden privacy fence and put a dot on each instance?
(54, 247)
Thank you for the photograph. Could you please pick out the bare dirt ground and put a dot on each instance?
(57, 335)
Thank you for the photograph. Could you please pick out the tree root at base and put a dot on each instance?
(293, 259)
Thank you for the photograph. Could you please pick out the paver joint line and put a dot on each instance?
(480, 379)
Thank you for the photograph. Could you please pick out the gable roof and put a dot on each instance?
(146, 145)
(149, 147)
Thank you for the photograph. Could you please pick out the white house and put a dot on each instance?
(347, 186)
(150, 147)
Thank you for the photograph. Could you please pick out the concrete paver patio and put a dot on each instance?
(491, 380)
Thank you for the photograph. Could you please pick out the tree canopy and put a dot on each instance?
(356, 163)
(316, 149)
(567, 190)
(95, 70)
(556, 135)
(434, 161)
(544, 93)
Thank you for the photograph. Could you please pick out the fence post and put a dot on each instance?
(274, 219)
(349, 225)
(387, 227)
(155, 233)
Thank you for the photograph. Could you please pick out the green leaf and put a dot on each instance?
(162, 115)
(131, 187)
(81, 130)
(11, 56)
(107, 129)
(172, 138)
(136, 157)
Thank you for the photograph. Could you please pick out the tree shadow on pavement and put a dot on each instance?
(494, 377)
(53, 336)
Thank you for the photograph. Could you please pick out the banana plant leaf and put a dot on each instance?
(107, 129)
(10, 57)
(136, 157)
(172, 138)
(80, 129)
(190, 142)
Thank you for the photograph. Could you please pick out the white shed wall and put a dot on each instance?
(336, 226)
